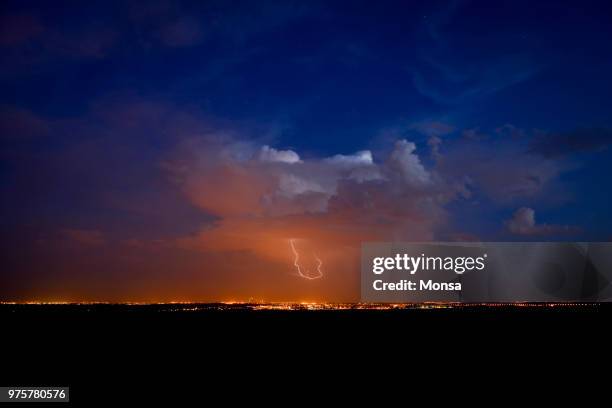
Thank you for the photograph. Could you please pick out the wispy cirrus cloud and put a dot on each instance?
(471, 81)
(449, 77)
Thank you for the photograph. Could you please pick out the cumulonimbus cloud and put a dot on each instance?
(263, 197)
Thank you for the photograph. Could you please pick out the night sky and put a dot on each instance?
(174, 151)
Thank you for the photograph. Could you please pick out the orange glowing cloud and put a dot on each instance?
(265, 200)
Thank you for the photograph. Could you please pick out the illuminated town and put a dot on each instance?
(300, 306)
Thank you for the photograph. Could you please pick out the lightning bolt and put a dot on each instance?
(296, 263)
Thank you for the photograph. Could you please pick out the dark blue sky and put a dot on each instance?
(327, 74)
(507, 102)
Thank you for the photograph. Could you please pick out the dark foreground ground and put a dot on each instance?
(107, 353)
